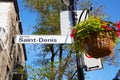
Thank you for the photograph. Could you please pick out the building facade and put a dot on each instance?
(12, 55)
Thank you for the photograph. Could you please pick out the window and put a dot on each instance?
(2, 30)
(3, 37)
(7, 72)
(1, 45)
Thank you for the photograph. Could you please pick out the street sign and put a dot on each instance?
(92, 63)
(44, 39)
(66, 20)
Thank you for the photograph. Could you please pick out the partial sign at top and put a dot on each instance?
(66, 20)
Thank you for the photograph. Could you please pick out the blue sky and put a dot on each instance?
(112, 8)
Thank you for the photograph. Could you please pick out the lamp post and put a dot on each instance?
(71, 7)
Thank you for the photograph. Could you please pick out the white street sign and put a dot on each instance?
(66, 20)
(92, 63)
(43, 39)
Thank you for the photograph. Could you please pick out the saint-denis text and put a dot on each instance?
(44, 39)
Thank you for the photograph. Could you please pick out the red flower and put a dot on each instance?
(117, 34)
(107, 28)
(103, 26)
(118, 25)
(73, 32)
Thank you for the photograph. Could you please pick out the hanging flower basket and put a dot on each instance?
(97, 46)
(95, 37)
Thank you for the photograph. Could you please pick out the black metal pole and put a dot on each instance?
(80, 72)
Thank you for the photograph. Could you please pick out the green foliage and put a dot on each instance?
(49, 18)
(86, 29)
(38, 73)
(20, 70)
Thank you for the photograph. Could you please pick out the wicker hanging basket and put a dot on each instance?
(97, 46)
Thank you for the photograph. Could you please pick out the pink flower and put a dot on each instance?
(88, 56)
